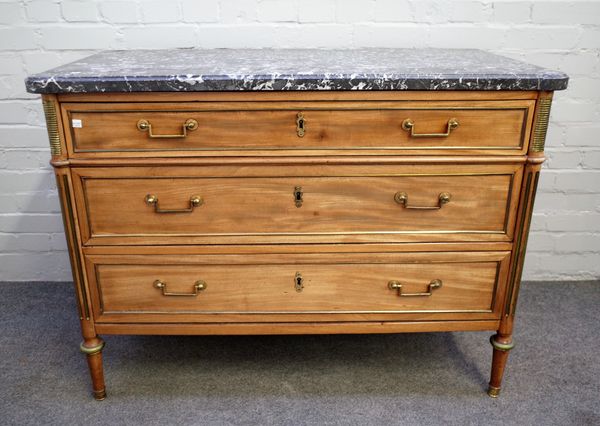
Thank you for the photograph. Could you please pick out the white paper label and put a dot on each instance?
(76, 124)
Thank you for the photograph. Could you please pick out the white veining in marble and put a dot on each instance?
(190, 70)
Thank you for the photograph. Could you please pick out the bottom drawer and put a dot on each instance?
(297, 287)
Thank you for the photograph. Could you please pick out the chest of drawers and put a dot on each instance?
(222, 203)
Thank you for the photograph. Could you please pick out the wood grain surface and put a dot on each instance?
(232, 127)
(347, 238)
(346, 287)
(350, 204)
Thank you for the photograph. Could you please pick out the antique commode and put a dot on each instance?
(286, 191)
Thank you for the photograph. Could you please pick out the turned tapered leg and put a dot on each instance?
(502, 345)
(92, 348)
(502, 341)
(92, 344)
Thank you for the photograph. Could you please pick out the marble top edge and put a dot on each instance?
(294, 69)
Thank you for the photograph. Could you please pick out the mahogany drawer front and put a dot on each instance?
(159, 288)
(227, 128)
(130, 207)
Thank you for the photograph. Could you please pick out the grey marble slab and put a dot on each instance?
(193, 70)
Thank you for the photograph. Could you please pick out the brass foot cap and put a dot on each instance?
(100, 395)
(493, 391)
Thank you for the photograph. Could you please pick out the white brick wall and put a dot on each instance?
(40, 34)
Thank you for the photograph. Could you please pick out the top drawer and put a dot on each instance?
(297, 128)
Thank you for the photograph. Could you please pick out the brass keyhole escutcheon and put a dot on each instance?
(298, 196)
(300, 125)
(298, 282)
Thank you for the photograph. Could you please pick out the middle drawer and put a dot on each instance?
(295, 204)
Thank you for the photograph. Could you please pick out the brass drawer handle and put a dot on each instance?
(195, 201)
(198, 287)
(144, 125)
(434, 284)
(409, 126)
(402, 198)
(300, 125)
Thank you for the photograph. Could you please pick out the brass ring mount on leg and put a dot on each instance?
(91, 350)
(501, 349)
(501, 346)
(93, 355)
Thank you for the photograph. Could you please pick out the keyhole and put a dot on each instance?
(300, 124)
(299, 282)
(298, 196)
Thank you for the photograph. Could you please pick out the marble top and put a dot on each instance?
(194, 70)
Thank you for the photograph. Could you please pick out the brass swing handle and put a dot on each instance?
(198, 287)
(434, 284)
(402, 198)
(144, 125)
(409, 126)
(195, 201)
